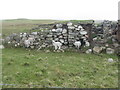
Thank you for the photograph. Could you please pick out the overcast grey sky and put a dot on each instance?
(59, 9)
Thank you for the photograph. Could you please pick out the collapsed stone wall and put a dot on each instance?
(67, 34)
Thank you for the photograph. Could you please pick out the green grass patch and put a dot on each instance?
(69, 69)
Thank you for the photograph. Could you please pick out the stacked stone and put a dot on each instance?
(68, 33)
(60, 33)
(106, 38)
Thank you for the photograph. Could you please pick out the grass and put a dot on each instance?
(21, 25)
(69, 69)
(23, 69)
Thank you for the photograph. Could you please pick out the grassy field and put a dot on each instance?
(69, 69)
(23, 68)
(21, 25)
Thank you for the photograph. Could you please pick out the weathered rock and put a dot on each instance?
(62, 40)
(115, 45)
(59, 25)
(34, 33)
(97, 49)
(71, 27)
(47, 51)
(89, 51)
(59, 30)
(80, 27)
(53, 30)
(64, 31)
(77, 29)
(110, 60)
(110, 51)
(83, 32)
(69, 24)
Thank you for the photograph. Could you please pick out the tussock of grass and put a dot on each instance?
(68, 69)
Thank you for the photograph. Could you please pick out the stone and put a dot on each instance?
(64, 31)
(77, 29)
(59, 29)
(53, 30)
(80, 27)
(71, 27)
(71, 36)
(61, 40)
(97, 49)
(110, 51)
(75, 25)
(69, 24)
(49, 36)
(32, 47)
(115, 45)
(110, 60)
(89, 51)
(83, 32)
(2, 47)
(34, 33)
(59, 25)
(47, 51)
(60, 37)
(106, 45)
(43, 46)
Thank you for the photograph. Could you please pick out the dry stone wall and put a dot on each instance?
(102, 36)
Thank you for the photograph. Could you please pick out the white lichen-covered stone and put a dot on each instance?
(58, 25)
(69, 24)
(80, 27)
(83, 32)
(35, 33)
(59, 30)
(89, 51)
(110, 60)
(71, 27)
(64, 31)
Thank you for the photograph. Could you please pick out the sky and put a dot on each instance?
(59, 9)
